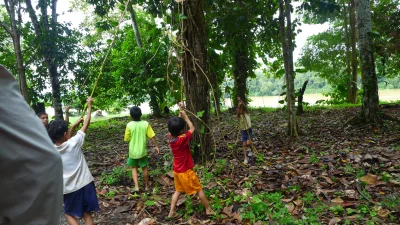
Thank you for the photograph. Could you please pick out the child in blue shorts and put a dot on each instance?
(80, 197)
(136, 133)
(244, 126)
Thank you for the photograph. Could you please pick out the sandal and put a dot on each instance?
(174, 217)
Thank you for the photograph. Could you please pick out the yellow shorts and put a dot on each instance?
(187, 182)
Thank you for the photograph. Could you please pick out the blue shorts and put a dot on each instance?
(81, 201)
(247, 134)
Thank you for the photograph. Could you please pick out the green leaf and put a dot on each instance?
(158, 80)
(203, 129)
(301, 70)
(283, 93)
(200, 114)
(282, 102)
(182, 17)
(280, 73)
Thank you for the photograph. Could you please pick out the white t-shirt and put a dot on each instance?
(76, 172)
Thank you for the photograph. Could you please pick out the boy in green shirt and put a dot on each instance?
(136, 133)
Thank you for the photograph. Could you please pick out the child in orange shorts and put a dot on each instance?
(185, 179)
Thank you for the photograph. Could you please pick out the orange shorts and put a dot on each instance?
(187, 182)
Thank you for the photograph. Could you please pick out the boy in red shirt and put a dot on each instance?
(185, 179)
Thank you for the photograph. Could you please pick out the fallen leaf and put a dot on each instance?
(106, 204)
(329, 180)
(171, 174)
(383, 212)
(164, 180)
(122, 209)
(211, 185)
(298, 202)
(369, 179)
(237, 217)
(287, 200)
(228, 210)
(181, 200)
(290, 207)
(334, 220)
(147, 221)
(350, 194)
(337, 200)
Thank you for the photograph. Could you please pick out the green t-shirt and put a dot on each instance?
(136, 134)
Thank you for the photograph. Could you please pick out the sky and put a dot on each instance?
(307, 30)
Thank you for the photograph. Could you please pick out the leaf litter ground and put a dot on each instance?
(333, 174)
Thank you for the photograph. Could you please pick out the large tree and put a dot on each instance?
(247, 31)
(353, 89)
(370, 101)
(46, 34)
(195, 74)
(152, 90)
(13, 28)
(286, 33)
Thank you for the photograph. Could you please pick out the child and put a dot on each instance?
(79, 191)
(44, 118)
(135, 133)
(185, 178)
(245, 127)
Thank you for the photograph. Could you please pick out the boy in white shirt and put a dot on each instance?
(79, 191)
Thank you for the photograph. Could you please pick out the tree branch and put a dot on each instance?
(33, 17)
(6, 28)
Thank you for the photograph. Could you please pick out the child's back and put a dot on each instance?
(137, 133)
(76, 172)
(80, 197)
(185, 179)
(183, 160)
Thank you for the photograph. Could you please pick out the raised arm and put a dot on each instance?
(88, 116)
(67, 114)
(73, 127)
(185, 117)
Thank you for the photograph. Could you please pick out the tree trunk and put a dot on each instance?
(287, 49)
(55, 90)
(153, 97)
(240, 75)
(300, 101)
(347, 43)
(216, 94)
(48, 47)
(195, 74)
(134, 25)
(354, 89)
(290, 94)
(15, 32)
(370, 102)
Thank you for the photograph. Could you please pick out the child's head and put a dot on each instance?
(176, 126)
(241, 109)
(136, 113)
(44, 118)
(58, 130)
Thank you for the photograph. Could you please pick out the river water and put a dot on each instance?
(273, 101)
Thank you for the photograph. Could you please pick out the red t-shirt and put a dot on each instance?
(183, 160)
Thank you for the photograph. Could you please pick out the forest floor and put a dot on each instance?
(334, 174)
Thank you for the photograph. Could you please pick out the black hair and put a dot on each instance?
(136, 113)
(176, 125)
(41, 113)
(57, 129)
